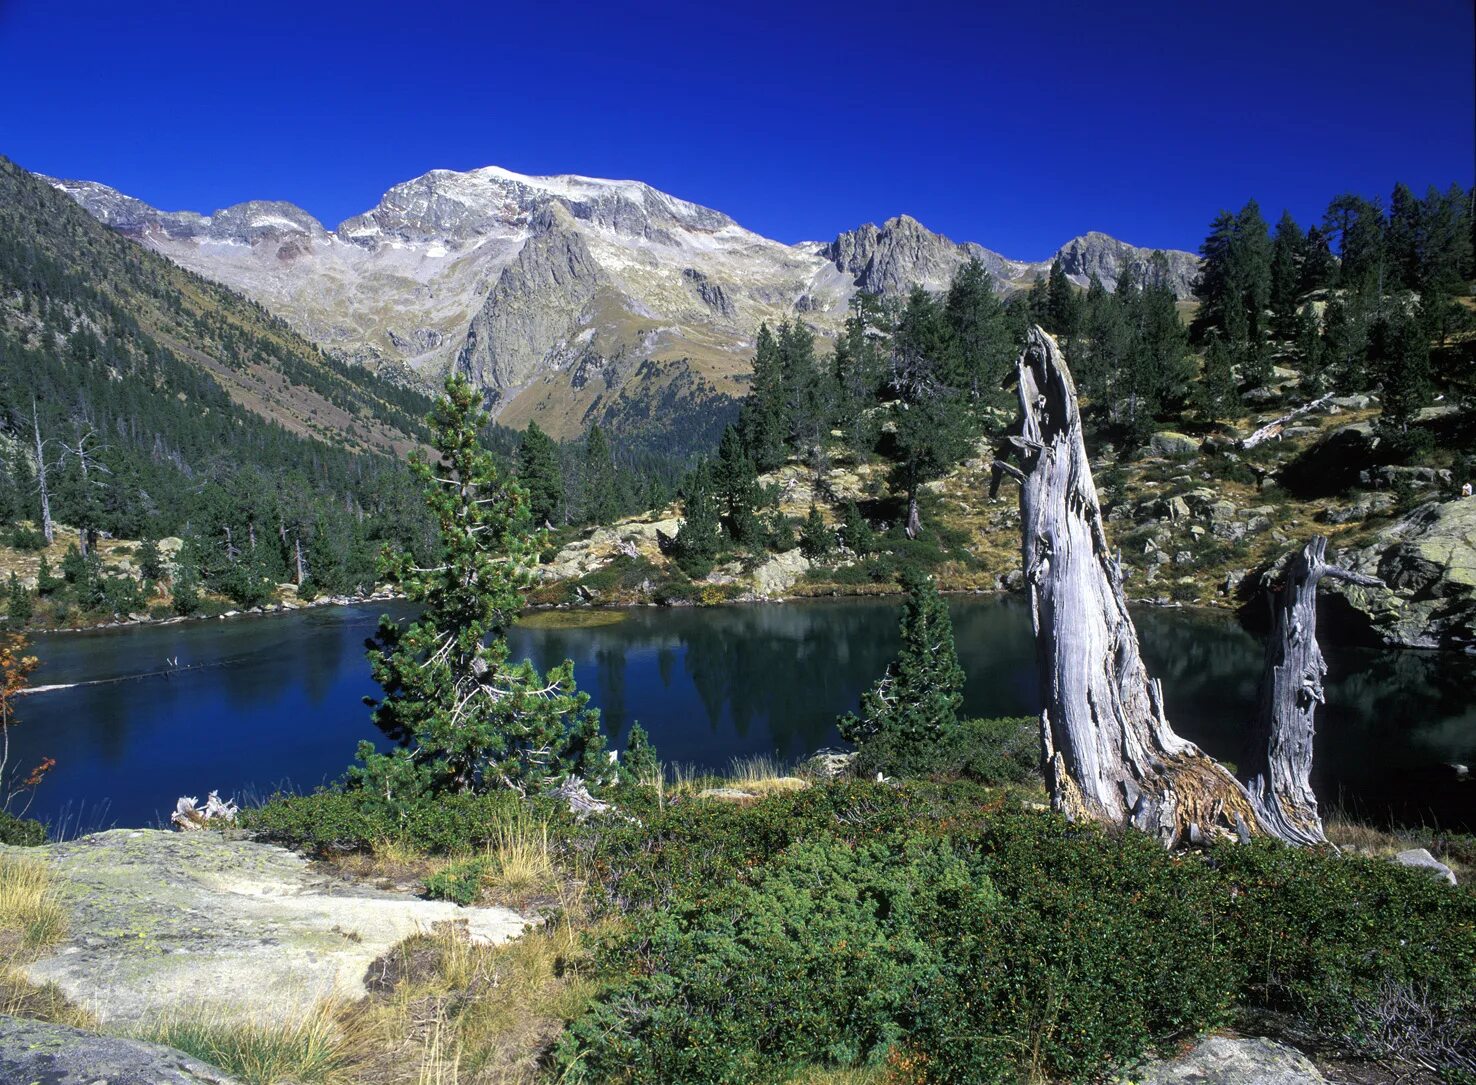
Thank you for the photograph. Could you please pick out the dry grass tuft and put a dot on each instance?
(326, 1047)
(464, 1012)
(31, 915)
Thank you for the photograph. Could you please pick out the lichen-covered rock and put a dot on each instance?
(236, 928)
(1428, 560)
(777, 575)
(31, 1051)
(1226, 1060)
(1169, 443)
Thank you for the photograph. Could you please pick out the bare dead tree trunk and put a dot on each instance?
(1278, 757)
(1276, 425)
(297, 547)
(47, 528)
(1108, 749)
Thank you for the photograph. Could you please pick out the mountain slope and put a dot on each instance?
(531, 285)
(59, 267)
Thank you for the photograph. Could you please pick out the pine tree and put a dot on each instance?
(1216, 395)
(639, 762)
(1358, 226)
(933, 426)
(918, 698)
(541, 475)
(983, 343)
(1405, 241)
(817, 540)
(463, 715)
(1319, 268)
(1312, 354)
(1062, 312)
(697, 538)
(1286, 274)
(1400, 357)
(856, 532)
(763, 423)
(18, 607)
(736, 487)
(601, 489)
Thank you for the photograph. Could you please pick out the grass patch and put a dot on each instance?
(517, 866)
(324, 1047)
(31, 915)
(453, 1011)
(570, 619)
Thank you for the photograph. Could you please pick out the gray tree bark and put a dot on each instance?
(1278, 759)
(1108, 749)
(48, 531)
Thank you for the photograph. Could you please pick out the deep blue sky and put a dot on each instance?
(1016, 124)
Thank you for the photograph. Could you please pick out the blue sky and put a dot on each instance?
(1017, 125)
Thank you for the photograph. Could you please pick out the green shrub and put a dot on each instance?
(356, 820)
(1334, 941)
(27, 538)
(461, 882)
(927, 924)
(825, 960)
(990, 751)
(21, 832)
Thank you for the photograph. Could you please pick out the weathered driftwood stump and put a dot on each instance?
(1109, 752)
(1278, 759)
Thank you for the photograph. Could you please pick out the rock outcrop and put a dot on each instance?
(230, 927)
(1227, 1060)
(43, 1054)
(1107, 258)
(534, 308)
(1428, 560)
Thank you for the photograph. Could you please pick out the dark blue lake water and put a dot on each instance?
(262, 703)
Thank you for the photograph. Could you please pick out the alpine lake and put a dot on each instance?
(252, 705)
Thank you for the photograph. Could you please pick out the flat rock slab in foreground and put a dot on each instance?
(1227, 1060)
(56, 1055)
(165, 922)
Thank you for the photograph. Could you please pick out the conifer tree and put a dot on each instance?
(983, 343)
(816, 537)
(1400, 357)
(1319, 268)
(465, 717)
(1312, 353)
(18, 607)
(697, 537)
(1216, 395)
(857, 534)
(1286, 274)
(601, 489)
(917, 700)
(541, 475)
(1061, 305)
(736, 487)
(639, 762)
(763, 423)
(933, 426)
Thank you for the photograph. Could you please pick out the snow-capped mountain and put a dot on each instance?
(566, 297)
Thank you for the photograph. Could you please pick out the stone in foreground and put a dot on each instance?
(1226, 1060)
(233, 929)
(31, 1051)
(1421, 859)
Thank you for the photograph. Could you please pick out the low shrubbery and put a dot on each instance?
(926, 926)
(345, 820)
(995, 751)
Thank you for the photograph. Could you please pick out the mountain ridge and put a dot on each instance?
(529, 285)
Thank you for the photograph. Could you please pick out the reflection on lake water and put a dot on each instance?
(262, 703)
